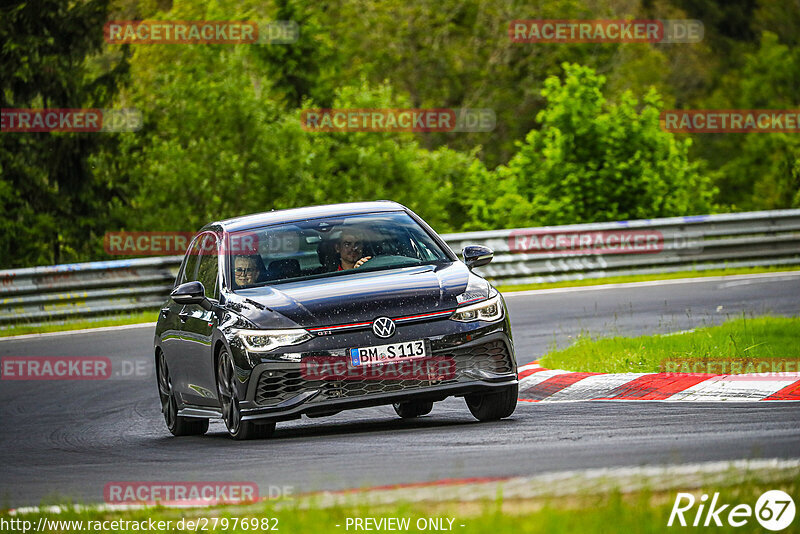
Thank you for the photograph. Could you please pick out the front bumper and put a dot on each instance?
(280, 390)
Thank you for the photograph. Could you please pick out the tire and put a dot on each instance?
(229, 403)
(495, 405)
(177, 425)
(411, 409)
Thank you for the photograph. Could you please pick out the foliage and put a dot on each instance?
(222, 136)
(593, 160)
(229, 149)
(758, 170)
(51, 201)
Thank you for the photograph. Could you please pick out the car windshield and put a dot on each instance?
(333, 246)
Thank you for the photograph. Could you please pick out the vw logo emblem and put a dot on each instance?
(383, 327)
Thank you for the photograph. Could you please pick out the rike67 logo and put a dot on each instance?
(774, 510)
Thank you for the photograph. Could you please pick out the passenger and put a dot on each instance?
(350, 247)
(246, 270)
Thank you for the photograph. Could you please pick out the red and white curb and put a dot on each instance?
(537, 384)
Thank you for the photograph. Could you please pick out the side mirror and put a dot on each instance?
(191, 293)
(477, 255)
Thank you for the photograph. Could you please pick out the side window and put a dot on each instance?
(207, 268)
(189, 272)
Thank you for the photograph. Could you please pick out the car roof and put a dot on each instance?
(297, 214)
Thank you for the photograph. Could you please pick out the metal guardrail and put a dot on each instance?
(686, 243)
(703, 242)
(85, 289)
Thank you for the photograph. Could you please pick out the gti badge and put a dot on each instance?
(383, 327)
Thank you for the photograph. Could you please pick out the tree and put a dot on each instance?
(219, 141)
(756, 169)
(592, 161)
(52, 203)
(307, 68)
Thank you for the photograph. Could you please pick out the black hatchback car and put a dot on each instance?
(321, 309)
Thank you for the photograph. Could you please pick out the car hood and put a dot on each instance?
(362, 296)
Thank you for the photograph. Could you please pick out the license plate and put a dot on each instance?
(382, 354)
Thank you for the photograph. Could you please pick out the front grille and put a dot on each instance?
(355, 388)
(492, 356)
(280, 385)
(276, 386)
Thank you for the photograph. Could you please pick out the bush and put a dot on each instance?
(591, 161)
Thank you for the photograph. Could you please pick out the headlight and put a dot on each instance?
(267, 340)
(488, 310)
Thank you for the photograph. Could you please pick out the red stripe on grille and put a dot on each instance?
(337, 326)
(353, 325)
(554, 384)
(656, 386)
(790, 392)
(445, 312)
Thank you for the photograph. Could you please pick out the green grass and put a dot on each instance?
(78, 324)
(641, 511)
(647, 278)
(746, 338)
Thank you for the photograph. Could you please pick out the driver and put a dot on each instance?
(350, 247)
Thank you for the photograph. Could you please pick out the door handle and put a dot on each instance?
(183, 317)
(164, 312)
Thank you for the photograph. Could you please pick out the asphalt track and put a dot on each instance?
(68, 439)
